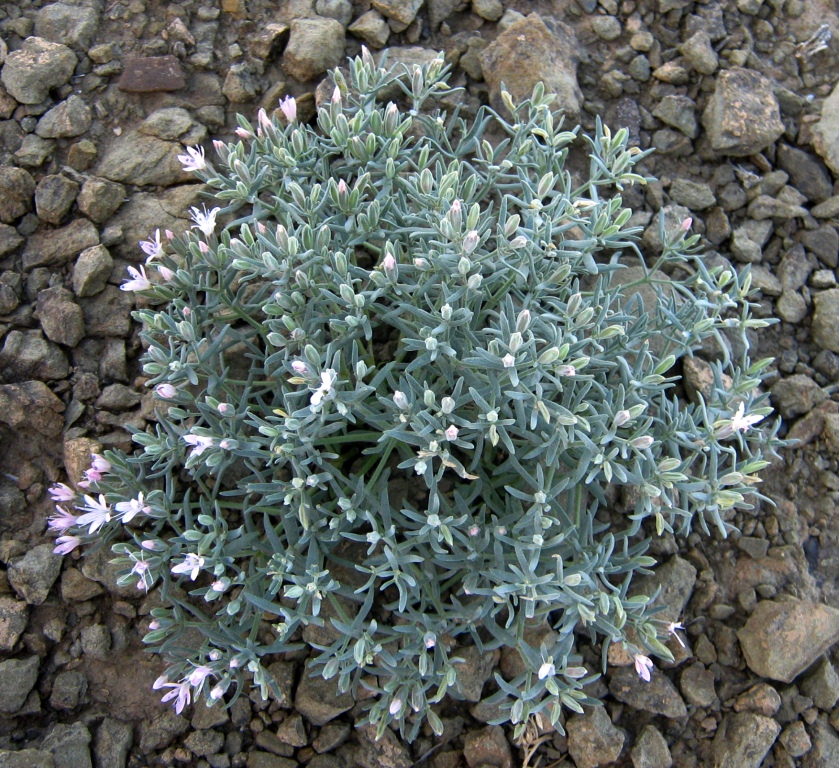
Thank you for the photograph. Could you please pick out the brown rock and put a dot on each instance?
(13, 617)
(77, 453)
(781, 639)
(17, 189)
(150, 74)
(55, 247)
(487, 747)
(31, 404)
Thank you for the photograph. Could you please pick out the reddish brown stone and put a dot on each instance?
(149, 74)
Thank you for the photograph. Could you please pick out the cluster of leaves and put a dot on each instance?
(399, 392)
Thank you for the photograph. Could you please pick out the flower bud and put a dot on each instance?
(518, 242)
(446, 312)
(515, 341)
(400, 401)
(447, 405)
(474, 282)
(621, 417)
(166, 391)
(645, 441)
(470, 242)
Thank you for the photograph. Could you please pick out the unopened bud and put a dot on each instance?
(621, 417)
(400, 401)
(645, 441)
(470, 242)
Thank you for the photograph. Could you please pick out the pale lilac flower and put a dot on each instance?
(395, 706)
(66, 544)
(170, 235)
(621, 417)
(200, 444)
(139, 281)
(186, 311)
(61, 492)
(132, 508)
(203, 247)
(672, 627)
(166, 273)
(225, 444)
(474, 530)
(223, 408)
(389, 265)
(325, 390)
(100, 463)
(288, 106)
(643, 666)
(218, 145)
(162, 680)
(99, 513)
(152, 247)
(420, 263)
(451, 432)
(149, 544)
(217, 692)
(342, 187)
(199, 675)
(191, 565)
(547, 670)
(219, 586)
(182, 691)
(298, 366)
(204, 220)
(166, 391)
(740, 422)
(263, 119)
(233, 663)
(193, 160)
(62, 521)
(508, 361)
(214, 655)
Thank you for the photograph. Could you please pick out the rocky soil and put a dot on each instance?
(96, 101)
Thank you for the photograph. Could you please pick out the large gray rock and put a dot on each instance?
(825, 750)
(30, 73)
(71, 117)
(529, 51)
(314, 46)
(100, 198)
(33, 575)
(60, 317)
(92, 270)
(31, 405)
(112, 742)
(826, 319)
(489, 746)
(781, 639)
(13, 617)
(69, 744)
(743, 739)
(676, 578)
(658, 696)
(144, 161)
(26, 758)
(28, 355)
(19, 677)
(67, 24)
(826, 131)
(797, 395)
(743, 116)
(319, 700)
(400, 12)
(54, 196)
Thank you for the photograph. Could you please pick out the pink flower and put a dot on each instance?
(218, 145)
(61, 492)
(219, 586)
(336, 95)
(192, 565)
(452, 432)
(199, 674)
(288, 106)
(62, 521)
(132, 508)
(217, 692)
(686, 224)
(99, 513)
(203, 247)
(149, 544)
(166, 273)
(298, 366)
(152, 247)
(641, 443)
(429, 640)
(139, 282)
(166, 391)
(100, 463)
(262, 118)
(643, 666)
(470, 242)
(154, 624)
(223, 408)
(193, 160)
(566, 370)
(474, 530)
(243, 134)
(66, 544)
(182, 691)
(200, 443)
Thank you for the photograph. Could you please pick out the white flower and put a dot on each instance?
(672, 627)
(400, 401)
(66, 544)
(204, 220)
(547, 670)
(100, 463)
(98, 513)
(191, 565)
(288, 106)
(325, 390)
(643, 666)
(193, 160)
(130, 509)
(451, 433)
(200, 443)
(139, 282)
(152, 247)
(509, 361)
(298, 366)
(62, 492)
(199, 674)
(181, 690)
(62, 521)
(741, 422)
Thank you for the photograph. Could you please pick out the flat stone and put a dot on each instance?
(782, 639)
(143, 160)
(319, 700)
(676, 578)
(91, 271)
(678, 112)
(314, 46)
(806, 172)
(67, 24)
(761, 699)
(68, 690)
(651, 750)
(489, 746)
(69, 744)
(743, 739)
(17, 188)
(34, 150)
(33, 575)
(691, 194)
(699, 53)
(31, 72)
(340, 10)
(474, 671)
(658, 696)
(108, 313)
(26, 758)
(529, 51)
(401, 12)
(796, 395)
(372, 28)
(150, 74)
(10, 240)
(791, 307)
(28, 355)
(54, 196)
(170, 124)
(111, 744)
(593, 740)
(56, 247)
(31, 404)
(824, 242)
(60, 317)
(71, 117)
(19, 677)
(99, 198)
(697, 686)
(742, 116)
(13, 617)
(824, 752)
(823, 686)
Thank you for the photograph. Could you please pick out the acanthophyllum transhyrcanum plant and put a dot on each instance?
(397, 396)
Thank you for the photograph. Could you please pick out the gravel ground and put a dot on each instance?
(96, 101)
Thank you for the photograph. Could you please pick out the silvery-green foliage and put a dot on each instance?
(407, 381)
